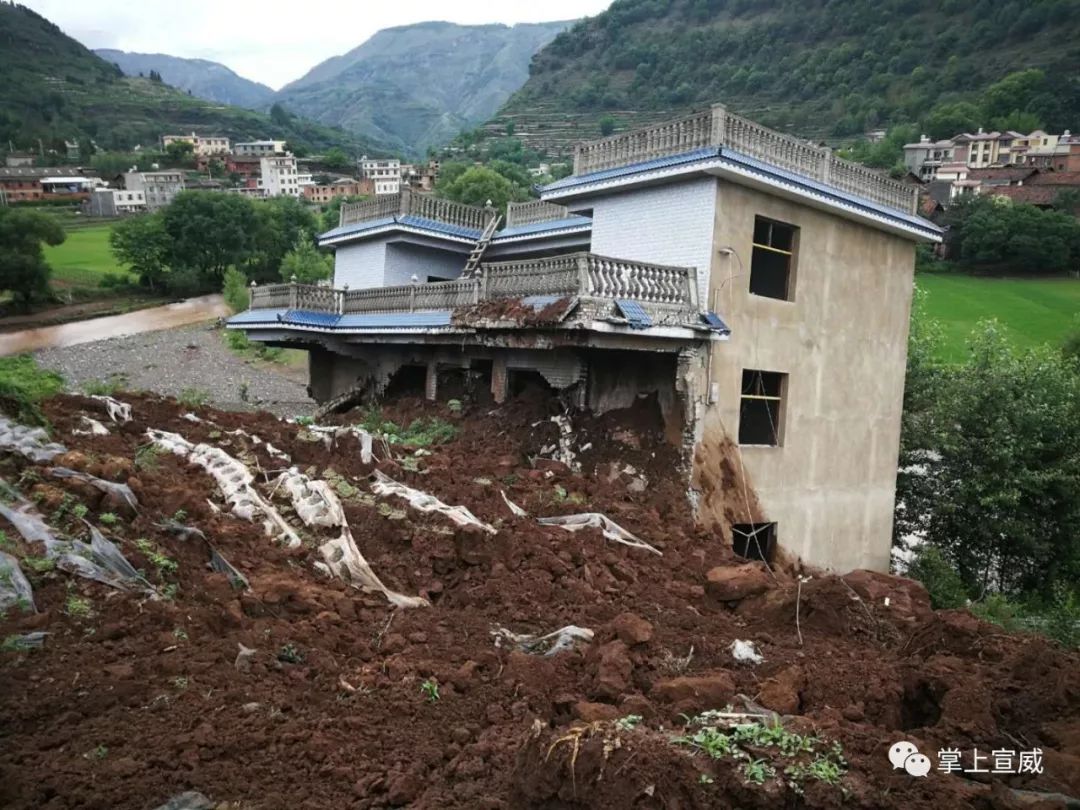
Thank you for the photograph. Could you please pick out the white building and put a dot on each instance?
(279, 177)
(259, 148)
(202, 145)
(385, 174)
(159, 188)
(115, 202)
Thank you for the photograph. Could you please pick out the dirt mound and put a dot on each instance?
(302, 691)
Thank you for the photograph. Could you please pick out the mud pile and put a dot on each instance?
(274, 683)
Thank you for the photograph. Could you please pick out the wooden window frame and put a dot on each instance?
(781, 407)
(792, 257)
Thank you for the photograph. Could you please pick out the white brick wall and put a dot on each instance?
(360, 265)
(402, 261)
(669, 224)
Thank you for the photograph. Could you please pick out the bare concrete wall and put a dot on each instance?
(843, 342)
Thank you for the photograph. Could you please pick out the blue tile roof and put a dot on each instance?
(633, 168)
(332, 322)
(543, 227)
(410, 221)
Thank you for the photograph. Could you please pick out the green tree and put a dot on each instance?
(331, 215)
(947, 120)
(180, 153)
(279, 224)
(143, 244)
(998, 487)
(607, 124)
(478, 185)
(235, 290)
(23, 269)
(336, 160)
(305, 263)
(209, 232)
(995, 234)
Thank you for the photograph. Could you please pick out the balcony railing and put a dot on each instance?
(719, 128)
(573, 274)
(533, 211)
(408, 202)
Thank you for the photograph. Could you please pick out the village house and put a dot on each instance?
(258, 148)
(754, 286)
(278, 176)
(159, 188)
(385, 174)
(202, 145)
(112, 202)
(322, 194)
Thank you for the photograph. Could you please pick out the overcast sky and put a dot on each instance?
(274, 41)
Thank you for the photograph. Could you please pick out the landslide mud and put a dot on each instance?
(143, 699)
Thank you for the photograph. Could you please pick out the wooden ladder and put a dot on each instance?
(472, 266)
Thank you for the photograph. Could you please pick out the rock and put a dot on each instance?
(189, 800)
(461, 735)
(115, 468)
(632, 629)
(250, 708)
(781, 692)
(638, 485)
(908, 599)
(463, 675)
(245, 658)
(73, 460)
(637, 704)
(550, 464)
(695, 693)
(393, 643)
(613, 672)
(730, 583)
(595, 712)
(404, 789)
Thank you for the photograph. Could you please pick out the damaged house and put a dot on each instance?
(759, 286)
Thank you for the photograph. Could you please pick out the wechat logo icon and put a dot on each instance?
(905, 756)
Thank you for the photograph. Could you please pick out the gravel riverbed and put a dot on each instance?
(173, 361)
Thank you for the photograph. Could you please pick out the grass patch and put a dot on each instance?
(193, 397)
(1033, 311)
(23, 384)
(165, 565)
(83, 261)
(422, 432)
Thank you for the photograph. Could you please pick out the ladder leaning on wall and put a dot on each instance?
(472, 266)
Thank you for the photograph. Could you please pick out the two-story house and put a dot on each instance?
(158, 188)
(755, 284)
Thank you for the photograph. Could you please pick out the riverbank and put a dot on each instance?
(190, 362)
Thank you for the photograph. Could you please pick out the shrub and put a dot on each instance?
(23, 385)
(940, 579)
(235, 290)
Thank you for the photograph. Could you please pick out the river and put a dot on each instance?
(181, 313)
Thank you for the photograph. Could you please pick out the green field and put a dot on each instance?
(1034, 311)
(83, 259)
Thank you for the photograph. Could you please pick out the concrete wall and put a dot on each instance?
(404, 260)
(843, 342)
(361, 265)
(668, 224)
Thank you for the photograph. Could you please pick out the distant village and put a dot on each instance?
(1035, 168)
(262, 168)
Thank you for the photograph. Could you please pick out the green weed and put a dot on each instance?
(421, 432)
(757, 771)
(106, 387)
(22, 387)
(628, 723)
(108, 518)
(165, 565)
(193, 397)
(430, 690)
(40, 565)
(77, 607)
(290, 654)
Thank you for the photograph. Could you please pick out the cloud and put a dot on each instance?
(274, 41)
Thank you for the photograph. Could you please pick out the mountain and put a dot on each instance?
(53, 88)
(415, 86)
(201, 77)
(817, 67)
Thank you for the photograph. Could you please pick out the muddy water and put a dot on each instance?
(192, 310)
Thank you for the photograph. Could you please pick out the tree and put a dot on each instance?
(180, 152)
(279, 224)
(279, 115)
(998, 489)
(331, 215)
(947, 120)
(998, 235)
(479, 184)
(143, 245)
(23, 269)
(335, 159)
(235, 290)
(208, 232)
(607, 125)
(305, 263)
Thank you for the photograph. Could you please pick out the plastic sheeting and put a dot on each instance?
(611, 529)
(14, 586)
(551, 644)
(385, 486)
(514, 508)
(32, 443)
(90, 427)
(118, 411)
(235, 481)
(122, 492)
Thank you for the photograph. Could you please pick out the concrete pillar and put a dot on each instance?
(431, 381)
(499, 378)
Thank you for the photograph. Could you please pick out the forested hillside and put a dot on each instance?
(54, 89)
(822, 68)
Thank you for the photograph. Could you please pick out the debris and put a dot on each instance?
(244, 658)
(120, 493)
(92, 428)
(730, 583)
(32, 443)
(26, 641)
(314, 501)
(329, 435)
(514, 508)
(233, 479)
(745, 652)
(255, 440)
(223, 566)
(181, 531)
(189, 800)
(551, 644)
(118, 411)
(385, 486)
(595, 520)
(14, 586)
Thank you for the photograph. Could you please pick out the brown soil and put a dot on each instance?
(142, 699)
(513, 311)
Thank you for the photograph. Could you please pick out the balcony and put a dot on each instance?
(717, 128)
(583, 275)
(425, 206)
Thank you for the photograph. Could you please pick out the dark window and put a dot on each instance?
(754, 541)
(773, 259)
(760, 408)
